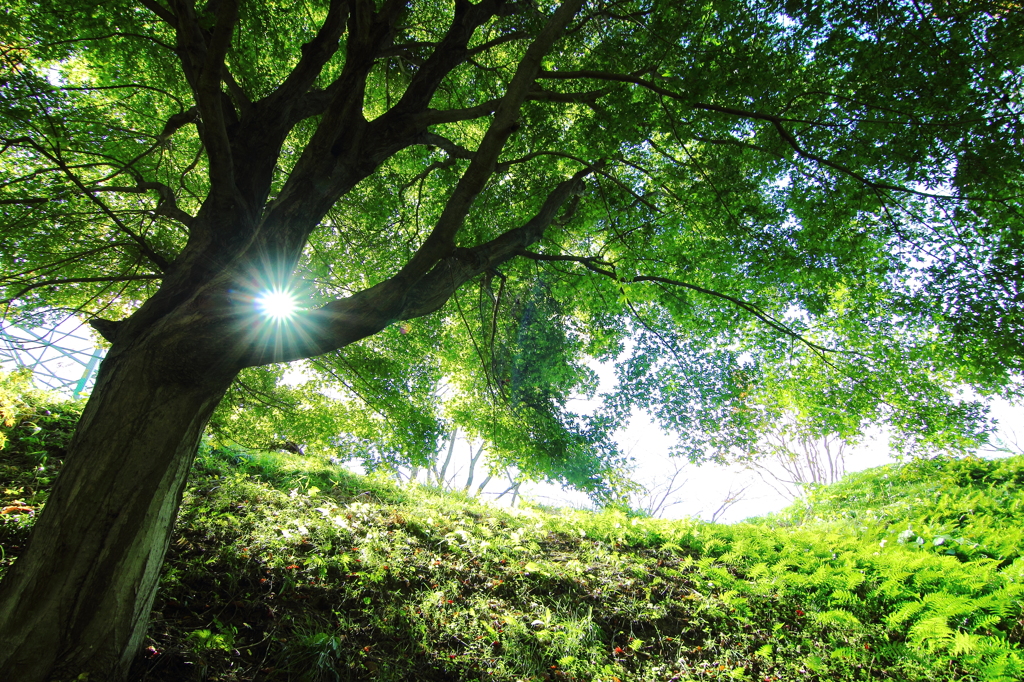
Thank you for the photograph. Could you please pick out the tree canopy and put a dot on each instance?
(750, 208)
(786, 206)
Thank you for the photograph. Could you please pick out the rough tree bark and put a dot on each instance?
(78, 600)
(81, 596)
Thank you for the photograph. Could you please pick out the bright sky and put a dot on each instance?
(707, 486)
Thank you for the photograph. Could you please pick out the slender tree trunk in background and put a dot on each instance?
(474, 458)
(108, 523)
(442, 482)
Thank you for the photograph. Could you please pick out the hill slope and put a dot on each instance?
(291, 569)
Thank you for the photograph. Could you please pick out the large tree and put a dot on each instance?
(751, 206)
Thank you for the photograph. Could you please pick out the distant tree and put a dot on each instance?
(438, 473)
(657, 494)
(735, 495)
(1005, 444)
(815, 201)
(792, 461)
(654, 495)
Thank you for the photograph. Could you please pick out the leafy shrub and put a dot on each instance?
(35, 430)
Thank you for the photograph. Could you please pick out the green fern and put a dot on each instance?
(905, 613)
(837, 618)
(931, 634)
(964, 643)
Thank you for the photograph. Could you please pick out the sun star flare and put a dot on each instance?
(278, 304)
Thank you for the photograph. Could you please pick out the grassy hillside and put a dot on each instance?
(286, 568)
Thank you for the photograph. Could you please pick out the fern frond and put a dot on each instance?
(931, 634)
(906, 612)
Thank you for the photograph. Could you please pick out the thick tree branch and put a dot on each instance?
(434, 289)
(442, 239)
(237, 93)
(313, 103)
(449, 53)
(161, 11)
(315, 54)
(452, 149)
(107, 328)
(342, 151)
(202, 59)
(346, 148)
(348, 320)
(177, 122)
(435, 116)
(209, 93)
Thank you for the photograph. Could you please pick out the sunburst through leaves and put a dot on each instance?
(278, 304)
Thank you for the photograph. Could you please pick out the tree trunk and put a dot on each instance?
(474, 458)
(80, 602)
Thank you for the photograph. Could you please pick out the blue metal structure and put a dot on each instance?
(62, 358)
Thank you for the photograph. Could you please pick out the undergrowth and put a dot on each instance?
(287, 568)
